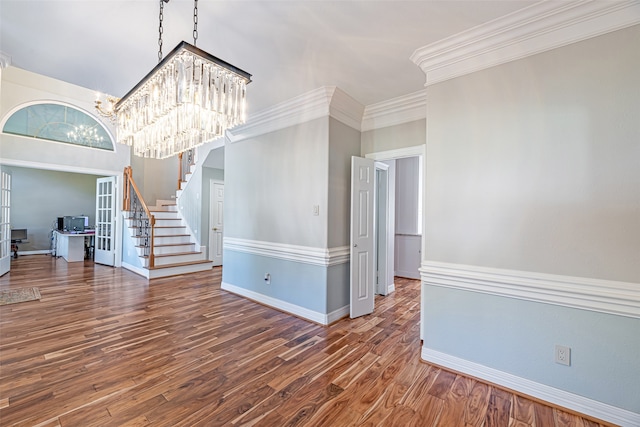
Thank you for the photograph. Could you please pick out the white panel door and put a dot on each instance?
(104, 244)
(363, 262)
(216, 225)
(5, 222)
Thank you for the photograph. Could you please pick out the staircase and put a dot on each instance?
(175, 250)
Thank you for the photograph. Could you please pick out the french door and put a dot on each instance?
(5, 222)
(105, 252)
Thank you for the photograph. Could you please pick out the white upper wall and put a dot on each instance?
(533, 165)
(19, 88)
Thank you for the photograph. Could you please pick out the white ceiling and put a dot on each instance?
(290, 47)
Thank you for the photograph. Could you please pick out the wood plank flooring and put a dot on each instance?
(105, 347)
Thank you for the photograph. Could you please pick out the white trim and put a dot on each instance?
(59, 167)
(296, 310)
(605, 296)
(540, 27)
(336, 315)
(304, 254)
(396, 111)
(5, 60)
(549, 394)
(36, 252)
(326, 101)
(399, 153)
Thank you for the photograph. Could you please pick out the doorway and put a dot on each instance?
(379, 277)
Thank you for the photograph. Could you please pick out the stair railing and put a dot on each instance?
(139, 213)
(185, 160)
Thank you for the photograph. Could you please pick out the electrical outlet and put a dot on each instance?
(267, 278)
(563, 355)
(316, 210)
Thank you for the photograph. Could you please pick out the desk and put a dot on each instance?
(71, 246)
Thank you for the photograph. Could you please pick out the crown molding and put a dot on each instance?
(540, 27)
(5, 60)
(396, 111)
(326, 101)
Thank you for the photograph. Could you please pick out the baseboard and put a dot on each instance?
(408, 274)
(296, 310)
(38, 252)
(557, 397)
(391, 288)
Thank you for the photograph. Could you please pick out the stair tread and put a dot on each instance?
(180, 264)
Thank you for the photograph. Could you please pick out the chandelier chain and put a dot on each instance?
(195, 21)
(160, 30)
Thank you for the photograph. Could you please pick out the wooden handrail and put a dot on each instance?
(129, 184)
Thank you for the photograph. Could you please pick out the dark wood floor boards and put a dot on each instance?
(105, 347)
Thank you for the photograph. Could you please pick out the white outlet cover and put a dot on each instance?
(563, 355)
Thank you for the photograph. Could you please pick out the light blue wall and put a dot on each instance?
(519, 337)
(129, 253)
(296, 283)
(338, 282)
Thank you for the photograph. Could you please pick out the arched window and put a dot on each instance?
(61, 123)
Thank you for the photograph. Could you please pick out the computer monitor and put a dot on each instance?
(18, 234)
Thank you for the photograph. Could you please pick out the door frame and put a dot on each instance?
(421, 152)
(212, 183)
(384, 229)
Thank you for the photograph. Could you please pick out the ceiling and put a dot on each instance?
(289, 46)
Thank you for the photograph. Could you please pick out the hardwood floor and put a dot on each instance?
(105, 347)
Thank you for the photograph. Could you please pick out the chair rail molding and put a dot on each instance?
(605, 296)
(325, 257)
(540, 27)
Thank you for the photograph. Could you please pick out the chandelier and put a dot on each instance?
(189, 98)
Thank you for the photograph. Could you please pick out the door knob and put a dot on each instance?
(215, 228)
(355, 245)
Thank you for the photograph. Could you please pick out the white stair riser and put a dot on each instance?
(161, 231)
(166, 260)
(163, 250)
(183, 269)
(164, 214)
(176, 259)
(167, 240)
(167, 250)
(168, 222)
